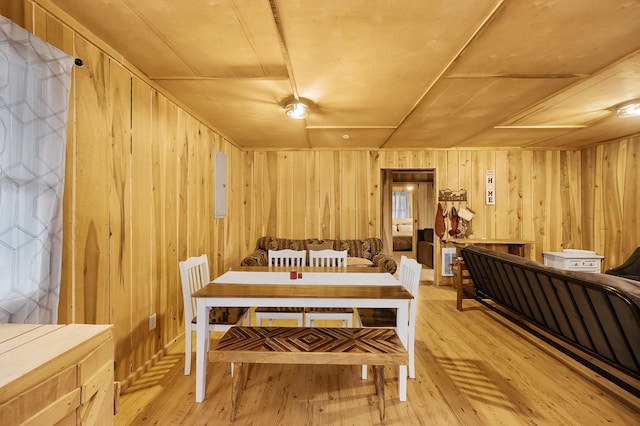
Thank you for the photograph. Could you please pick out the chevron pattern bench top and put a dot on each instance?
(310, 345)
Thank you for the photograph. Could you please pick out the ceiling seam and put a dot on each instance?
(283, 47)
(287, 59)
(160, 36)
(436, 80)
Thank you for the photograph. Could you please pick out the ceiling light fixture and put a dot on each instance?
(296, 109)
(629, 109)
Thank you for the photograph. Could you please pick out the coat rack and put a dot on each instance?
(450, 195)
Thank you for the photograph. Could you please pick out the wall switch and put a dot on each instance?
(152, 321)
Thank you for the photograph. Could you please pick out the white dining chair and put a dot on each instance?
(330, 259)
(287, 257)
(291, 258)
(409, 278)
(194, 274)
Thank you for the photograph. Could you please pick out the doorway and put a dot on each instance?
(408, 213)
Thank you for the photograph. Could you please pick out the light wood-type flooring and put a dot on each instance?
(473, 368)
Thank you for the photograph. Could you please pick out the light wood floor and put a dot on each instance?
(473, 368)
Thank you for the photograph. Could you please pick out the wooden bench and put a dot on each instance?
(309, 345)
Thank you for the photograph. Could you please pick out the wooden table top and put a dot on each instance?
(368, 269)
(289, 291)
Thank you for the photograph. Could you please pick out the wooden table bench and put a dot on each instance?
(309, 345)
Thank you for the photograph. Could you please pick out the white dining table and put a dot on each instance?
(273, 287)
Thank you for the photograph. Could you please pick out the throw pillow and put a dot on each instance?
(405, 228)
(358, 261)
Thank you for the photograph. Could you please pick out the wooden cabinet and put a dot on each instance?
(425, 247)
(520, 248)
(56, 374)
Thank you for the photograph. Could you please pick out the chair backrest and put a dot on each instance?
(194, 274)
(328, 258)
(409, 278)
(287, 257)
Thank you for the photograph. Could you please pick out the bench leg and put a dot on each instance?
(238, 382)
(378, 378)
(402, 383)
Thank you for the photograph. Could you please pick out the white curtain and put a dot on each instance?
(35, 78)
(400, 205)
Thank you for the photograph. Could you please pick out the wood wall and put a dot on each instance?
(559, 199)
(139, 195)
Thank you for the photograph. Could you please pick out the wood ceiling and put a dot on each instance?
(387, 73)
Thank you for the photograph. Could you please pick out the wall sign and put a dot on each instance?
(490, 188)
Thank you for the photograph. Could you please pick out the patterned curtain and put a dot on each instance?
(34, 98)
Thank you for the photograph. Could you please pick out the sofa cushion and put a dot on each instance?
(324, 245)
(366, 248)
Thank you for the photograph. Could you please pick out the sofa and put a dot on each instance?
(595, 318)
(362, 252)
(630, 268)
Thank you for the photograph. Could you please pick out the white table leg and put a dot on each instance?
(402, 328)
(201, 353)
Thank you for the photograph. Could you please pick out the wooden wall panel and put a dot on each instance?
(299, 193)
(502, 211)
(312, 190)
(159, 217)
(234, 225)
(119, 183)
(219, 230)
(631, 202)
(482, 161)
(17, 11)
(362, 183)
(269, 194)
(326, 193)
(184, 247)
(141, 224)
(190, 191)
(612, 207)
(609, 200)
(91, 268)
(284, 195)
(346, 209)
(249, 205)
(528, 205)
(170, 297)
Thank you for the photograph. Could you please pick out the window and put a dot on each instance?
(400, 205)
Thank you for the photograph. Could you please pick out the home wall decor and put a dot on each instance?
(490, 187)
